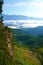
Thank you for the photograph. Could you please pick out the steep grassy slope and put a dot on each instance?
(6, 46)
(23, 56)
(38, 52)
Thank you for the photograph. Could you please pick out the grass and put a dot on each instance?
(23, 56)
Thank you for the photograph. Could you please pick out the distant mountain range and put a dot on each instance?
(19, 17)
(15, 17)
(29, 31)
(34, 31)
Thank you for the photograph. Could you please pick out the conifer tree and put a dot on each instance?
(1, 17)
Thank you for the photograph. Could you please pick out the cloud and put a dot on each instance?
(37, 0)
(28, 4)
(31, 25)
(26, 26)
(23, 23)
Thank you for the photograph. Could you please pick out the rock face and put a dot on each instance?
(9, 38)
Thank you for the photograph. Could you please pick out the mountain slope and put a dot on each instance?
(23, 56)
(34, 45)
(34, 31)
(19, 32)
(5, 49)
(6, 45)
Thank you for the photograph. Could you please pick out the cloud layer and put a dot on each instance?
(23, 23)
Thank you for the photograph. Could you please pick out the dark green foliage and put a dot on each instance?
(2, 39)
(17, 62)
(1, 2)
(35, 43)
(7, 29)
(5, 59)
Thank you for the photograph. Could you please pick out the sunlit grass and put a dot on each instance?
(24, 55)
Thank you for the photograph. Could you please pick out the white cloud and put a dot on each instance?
(37, 0)
(28, 4)
(24, 23)
(31, 25)
(17, 22)
(13, 27)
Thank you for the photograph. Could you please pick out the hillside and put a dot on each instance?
(34, 44)
(6, 45)
(34, 31)
(23, 56)
(19, 32)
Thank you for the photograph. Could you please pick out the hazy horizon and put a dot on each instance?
(23, 23)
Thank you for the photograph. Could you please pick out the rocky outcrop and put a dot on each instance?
(9, 38)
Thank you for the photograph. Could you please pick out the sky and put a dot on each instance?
(31, 8)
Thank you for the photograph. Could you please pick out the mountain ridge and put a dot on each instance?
(20, 17)
(30, 31)
(34, 31)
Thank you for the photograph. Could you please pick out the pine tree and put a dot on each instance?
(1, 17)
(1, 3)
